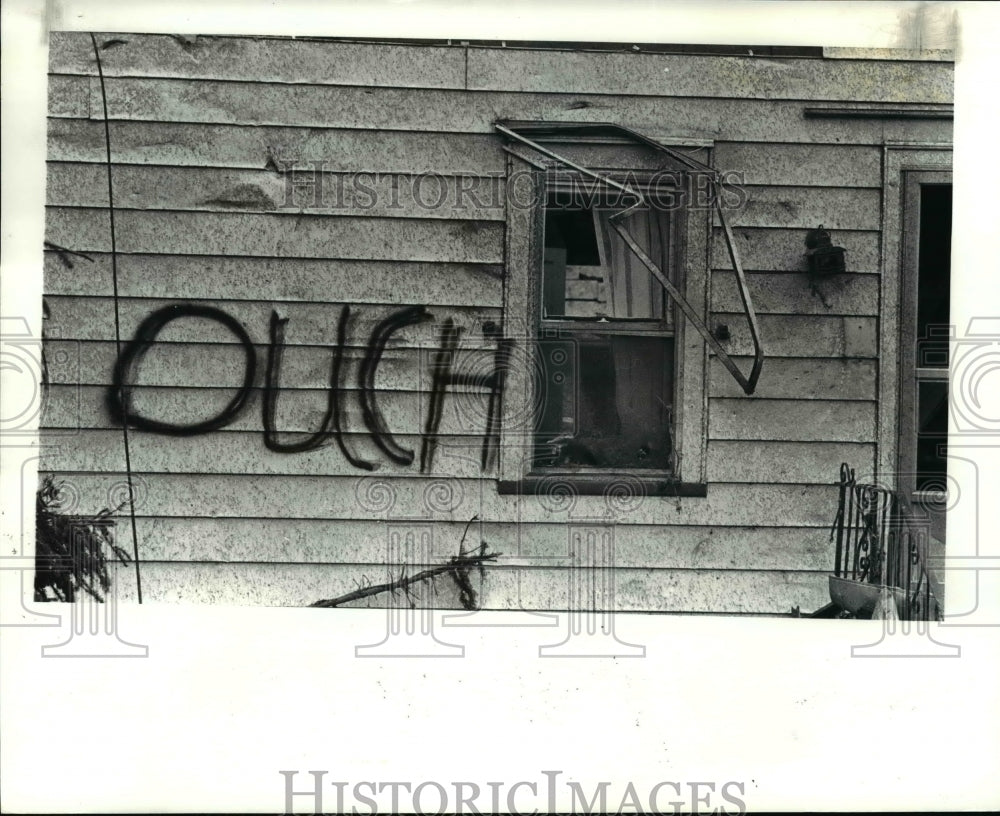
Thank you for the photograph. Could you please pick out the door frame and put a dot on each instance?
(904, 167)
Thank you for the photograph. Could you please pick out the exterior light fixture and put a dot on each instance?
(824, 258)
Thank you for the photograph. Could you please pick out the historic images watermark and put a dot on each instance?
(954, 490)
(313, 186)
(76, 559)
(317, 794)
(570, 573)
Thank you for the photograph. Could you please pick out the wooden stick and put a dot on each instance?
(455, 565)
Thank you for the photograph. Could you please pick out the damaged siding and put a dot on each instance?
(201, 129)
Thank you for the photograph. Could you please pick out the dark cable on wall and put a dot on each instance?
(118, 340)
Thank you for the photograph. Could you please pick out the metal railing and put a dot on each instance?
(881, 542)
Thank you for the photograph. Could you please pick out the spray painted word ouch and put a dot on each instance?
(443, 375)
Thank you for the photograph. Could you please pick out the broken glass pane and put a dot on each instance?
(605, 402)
(590, 273)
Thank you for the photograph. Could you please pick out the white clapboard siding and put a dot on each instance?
(339, 63)
(218, 365)
(837, 208)
(273, 60)
(783, 462)
(457, 111)
(277, 236)
(235, 453)
(364, 541)
(202, 189)
(797, 293)
(783, 250)
(299, 410)
(792, 420)
(367, 495)
(218, 148)
(302, 410)
(803, 335)
(505, 588)
(784, 164)
(77, 318)
(278, 148)
(276, 280)
(693, 75)
(831, 378)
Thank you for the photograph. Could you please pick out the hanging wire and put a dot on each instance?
(118, 336)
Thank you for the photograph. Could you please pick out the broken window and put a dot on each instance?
(605, 261)
(606, 336)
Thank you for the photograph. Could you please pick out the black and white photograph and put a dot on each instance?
(331, 312)
(561, 337)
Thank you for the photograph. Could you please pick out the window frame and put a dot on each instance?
(911, 373)
(691, 230)
(900, 162)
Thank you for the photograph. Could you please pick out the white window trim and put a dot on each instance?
(522, 279)
(898, 161)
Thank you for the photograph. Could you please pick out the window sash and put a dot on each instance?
(692, 230)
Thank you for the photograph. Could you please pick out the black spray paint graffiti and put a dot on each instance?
(126, 370)
(443, 377)
(127, 366)
(374, 420)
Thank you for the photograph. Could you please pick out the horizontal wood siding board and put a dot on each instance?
(264, 60)
(296, 236)
(216, 365)
(69, 97)
(220, 366)
(411, 152)
(458, 111)
(801, 164)
(241, 453)
(299, 410)
(801, 336)
(507, 589)
(364, 541)
(310, 324)
(202, 189)
(908, 54)
(783, 250)
(785, 462)
(799, 293)
(342, 63)
(693, 75)
(800, 379)
(235, 146)
(792, 420)
(274, 280)
(360, 496)
(835, 208)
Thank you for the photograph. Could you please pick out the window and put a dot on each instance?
(613, 383)
(933, 331)
(605, 336)
(924, 338)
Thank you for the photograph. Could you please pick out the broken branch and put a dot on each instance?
(458, 566)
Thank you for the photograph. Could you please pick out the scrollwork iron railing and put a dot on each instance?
(881, 542)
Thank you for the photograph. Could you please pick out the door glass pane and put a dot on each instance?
(932, 434)
(934, 275)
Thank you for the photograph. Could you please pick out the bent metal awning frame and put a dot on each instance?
(518, 131)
